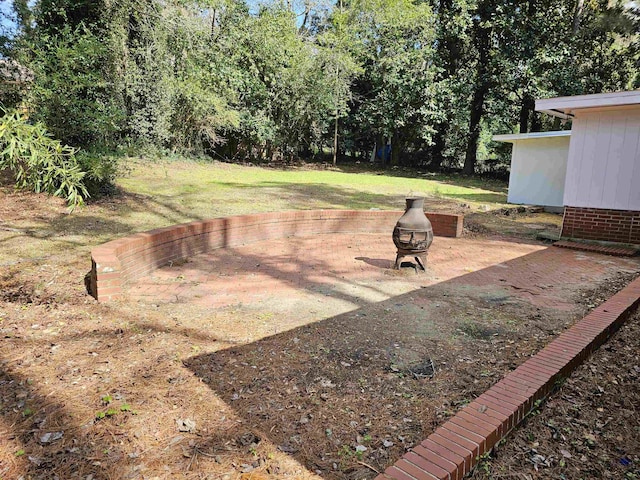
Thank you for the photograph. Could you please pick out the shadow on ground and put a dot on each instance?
(49, 431)
(349, 395)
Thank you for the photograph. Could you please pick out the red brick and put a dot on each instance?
(397, 474)
(500, 400)
(474, 418)
(455, 448)
(463, 437)
(427, 465)
(534, 366)
(413, 470)
(500, 411)
(484, 408)
(521, 378)
(447, 459)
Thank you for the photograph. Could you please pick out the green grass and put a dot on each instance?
(188, 190)
(165, 192)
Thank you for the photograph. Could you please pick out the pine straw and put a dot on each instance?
(589, 428)
(62, 354)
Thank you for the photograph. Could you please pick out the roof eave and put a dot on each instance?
(558, 113)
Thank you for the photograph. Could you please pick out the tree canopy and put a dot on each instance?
(298, 79)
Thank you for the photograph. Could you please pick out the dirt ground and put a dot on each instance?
(589, 428)
(155, 390)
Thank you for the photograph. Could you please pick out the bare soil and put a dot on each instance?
(589, 428)
(130, 390)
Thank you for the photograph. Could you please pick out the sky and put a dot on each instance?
(6, 24)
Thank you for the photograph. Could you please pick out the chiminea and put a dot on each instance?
(413, 233)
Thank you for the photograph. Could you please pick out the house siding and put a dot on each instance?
(603, 168)
(538, 170)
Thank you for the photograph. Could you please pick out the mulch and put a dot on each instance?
(589, 428)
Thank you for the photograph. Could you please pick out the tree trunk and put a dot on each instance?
(477, 110)
(526, 111)
(577, 15)
(335, 141)
(437, 150)
(536, 124)
(482, 37)
(449, 46)
(396, 147)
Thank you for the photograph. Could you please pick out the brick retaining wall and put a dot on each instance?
(622, 226)
(119, 262)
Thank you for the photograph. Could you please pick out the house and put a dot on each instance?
(601, 194)
(538, 167)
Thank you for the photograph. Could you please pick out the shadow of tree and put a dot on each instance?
(311, 274)
(34, 420)
(316, 392)
(480, 197)
(460, 180)
(323, 390)
(307, 196)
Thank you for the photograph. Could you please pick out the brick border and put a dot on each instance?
(453, 449)
(619, 251)
(118, 263)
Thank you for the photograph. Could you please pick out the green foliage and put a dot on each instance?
(72, 93)
(399, 87)
(101, 169)
(38, 162)
(272, 80)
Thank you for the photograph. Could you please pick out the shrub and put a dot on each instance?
(38, 162)
(100, 170)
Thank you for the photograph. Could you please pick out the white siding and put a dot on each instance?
(603, 169)
(538, 168)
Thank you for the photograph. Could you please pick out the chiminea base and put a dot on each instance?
(420, 257)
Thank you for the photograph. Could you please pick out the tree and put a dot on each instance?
(396, 93)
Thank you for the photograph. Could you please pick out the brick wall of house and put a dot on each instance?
(621, 226)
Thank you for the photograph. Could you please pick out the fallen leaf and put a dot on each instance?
(51, 437)
(186, 425)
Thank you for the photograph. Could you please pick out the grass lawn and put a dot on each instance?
(166, 192)
(187, 190)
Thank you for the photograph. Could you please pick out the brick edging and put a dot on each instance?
(616, 251)
(453, 449)
(119, 262)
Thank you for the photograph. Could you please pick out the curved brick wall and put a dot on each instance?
(119, 262)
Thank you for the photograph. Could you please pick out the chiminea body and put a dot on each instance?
(413, 233)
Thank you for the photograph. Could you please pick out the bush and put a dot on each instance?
(73, 91)
(100, 170)
(38, 162)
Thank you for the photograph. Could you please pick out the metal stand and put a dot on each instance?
(420, 257)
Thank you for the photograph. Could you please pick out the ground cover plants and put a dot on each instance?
(159, 389)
